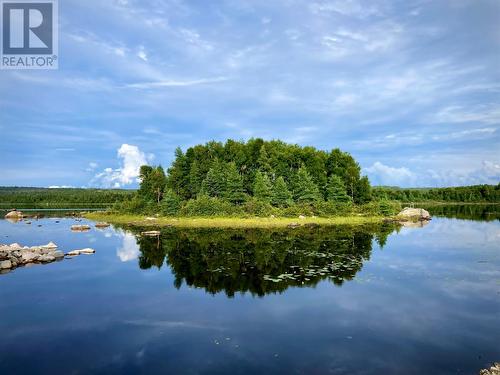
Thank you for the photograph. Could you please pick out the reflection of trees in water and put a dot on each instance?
(261, 261)
(469, 212)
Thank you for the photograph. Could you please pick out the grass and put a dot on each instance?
(226, 222)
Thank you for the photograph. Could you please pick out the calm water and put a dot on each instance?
(306, 301)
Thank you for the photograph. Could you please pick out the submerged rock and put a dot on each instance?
(409, 213)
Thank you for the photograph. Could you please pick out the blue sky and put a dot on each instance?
(410, 88)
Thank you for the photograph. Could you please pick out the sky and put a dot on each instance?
(410, 88)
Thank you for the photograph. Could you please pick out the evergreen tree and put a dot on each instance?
(336, 191)
(262, 189)
(264, 161)
(304, 188)
(281, 196)
(171, 203)
(215, 184)
(235, 193)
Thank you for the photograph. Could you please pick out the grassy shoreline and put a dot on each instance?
(227, 222)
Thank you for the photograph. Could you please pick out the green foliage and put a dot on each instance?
(20, 197)
(304, 189)
(215, 184)
(153, 182)
(257, 207)
(171, 204)
(235, 193)
(336, 191)
(135, 205)
(473, 194)
(363, 191)
(262, 189)
(204, 205)
(281, 196)
(383, 208)
(327, 209)
(275, 158)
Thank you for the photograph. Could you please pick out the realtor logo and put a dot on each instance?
(29, 34)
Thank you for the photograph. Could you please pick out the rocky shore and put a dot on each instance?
(15, 255)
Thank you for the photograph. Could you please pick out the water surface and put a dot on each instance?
(342, 300)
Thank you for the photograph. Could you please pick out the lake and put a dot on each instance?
(343, 300)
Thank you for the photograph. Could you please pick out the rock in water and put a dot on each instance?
(14, 214)
(82, 251)
(293, 225)
(102, 225)
(414, 214)
(5, 265)
(493, 370)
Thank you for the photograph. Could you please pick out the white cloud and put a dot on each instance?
(60, 186)
(92, 167)
(131, 160)
(176, 83)
(381, 174)
(129, 249)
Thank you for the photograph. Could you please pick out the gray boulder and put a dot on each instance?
(409, 213)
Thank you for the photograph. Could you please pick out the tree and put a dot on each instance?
(262, 189)
(214, 184)
(171, 203)
(281, 196)
(234, 193)
(336, 191)
(363, 191)
(304, 188)
(264, 161)
(153, 182)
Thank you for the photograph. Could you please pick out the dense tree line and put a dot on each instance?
(256, 177)
(475, 193)
(19, 197)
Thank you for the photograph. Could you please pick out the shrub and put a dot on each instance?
(204, 205)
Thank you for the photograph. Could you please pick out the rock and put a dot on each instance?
(80, 228)
(272, 216)
(14, 214)
(28, 256)
(5, 265)
(302, 217)
(293, 225)
(46, 258)
(102, 225)
(28, 222)
(493, 370)
(414, 224)
(311, 225)
(58, 254)
(50, 245)
(151, 233)
(82, 251)
(414, 214)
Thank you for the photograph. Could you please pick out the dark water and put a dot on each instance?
(371, 300)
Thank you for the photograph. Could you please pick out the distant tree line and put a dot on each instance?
(28, 197)
(466, 194)
(256, 177)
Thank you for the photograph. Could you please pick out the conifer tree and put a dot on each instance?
(264, 161)
(171, 203)
(235, 193)
(281, 196)
(336, 191)
(304, 188)
(363, 191)
(262, 189)
(215, 184)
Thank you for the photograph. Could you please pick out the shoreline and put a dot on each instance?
(229, 222)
